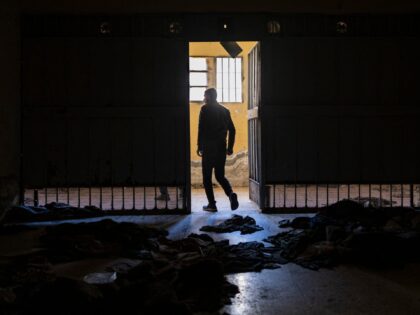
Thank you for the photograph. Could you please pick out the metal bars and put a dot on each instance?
(312, 196)
(229, 79)
(109, 198)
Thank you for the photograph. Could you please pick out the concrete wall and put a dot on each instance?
(237, 164)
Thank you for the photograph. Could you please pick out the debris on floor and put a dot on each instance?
(246, 225)
(100, 277)
(51, 211)
(348, 232)
(374, 202)
(151, 273)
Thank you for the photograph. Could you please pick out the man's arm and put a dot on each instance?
(232, 133)
(200, 133)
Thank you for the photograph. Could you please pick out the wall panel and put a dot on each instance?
(107, 102)
(353, 102)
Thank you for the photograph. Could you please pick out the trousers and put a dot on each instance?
(215, 159)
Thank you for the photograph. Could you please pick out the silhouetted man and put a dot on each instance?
(164, 195)
(214, 124)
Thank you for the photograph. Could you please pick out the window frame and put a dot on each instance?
(198, 71)
(211, 72)
(241, 94)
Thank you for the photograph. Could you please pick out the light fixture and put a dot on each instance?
(232, 48)
(273, 27)
(105, 28)
(225, 25)
(175, 28)
(341, 27)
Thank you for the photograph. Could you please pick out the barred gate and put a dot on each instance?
(104, 113)
(308, 197)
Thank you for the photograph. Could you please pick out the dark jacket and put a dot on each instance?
(213, 125)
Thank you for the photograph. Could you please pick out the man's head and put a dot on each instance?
(210, 96)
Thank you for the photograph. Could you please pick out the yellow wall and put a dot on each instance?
(238, 110)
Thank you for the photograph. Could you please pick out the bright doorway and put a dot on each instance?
(212, 66)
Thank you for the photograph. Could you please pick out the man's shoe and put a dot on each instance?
(210, 208)
(163, 197)
(234, 204)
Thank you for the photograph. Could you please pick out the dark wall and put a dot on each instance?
(342, 109)
(11, 10)
(104, 111)
(9, 104)
(125, 6)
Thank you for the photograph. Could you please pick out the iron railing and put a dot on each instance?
(307, 197)
(144, 198)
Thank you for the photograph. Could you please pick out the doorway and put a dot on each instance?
(211, 66)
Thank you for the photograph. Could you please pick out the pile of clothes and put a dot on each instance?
(246, 225)
(348, 232)
(161, 276)
(164, 276)
(51, 211)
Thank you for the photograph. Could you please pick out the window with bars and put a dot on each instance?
(198, 78)
(229, 79)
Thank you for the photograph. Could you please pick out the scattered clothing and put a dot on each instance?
(172, 276)
(246, 225)
(51, 211)
(348, 232)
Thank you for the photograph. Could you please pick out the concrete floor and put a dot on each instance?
(290, 289)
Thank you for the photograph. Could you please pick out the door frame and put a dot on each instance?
(262, 191)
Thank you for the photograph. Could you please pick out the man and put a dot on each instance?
(214, 124)
(164, 195)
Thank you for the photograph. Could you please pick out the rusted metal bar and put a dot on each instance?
(380, 195)
(411, 195)
(123, 196)
(328, 195)
(402, 195)
(36, 198)
(390, 195)
(273, 194)
(155, 196)
(90, 197)
(78, 196)
(144, 198)
(284, 195)
(338, 192)
(134, 197)
(112, 197)
(185, 197)
(100, 197)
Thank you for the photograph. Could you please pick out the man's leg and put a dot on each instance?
(220, 176)
(207, 168)
(219, 170)
(164, 195)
